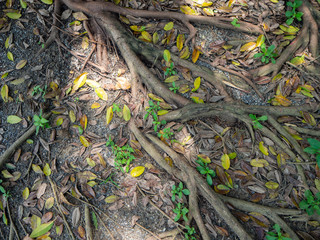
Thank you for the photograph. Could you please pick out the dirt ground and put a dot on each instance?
(129, 208)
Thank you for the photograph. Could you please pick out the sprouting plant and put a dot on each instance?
(123, 155)
(109, 179)
(6, 194)
(205, 170)
(38, 90)
(178, 191)
(277, 235)
(291, 15)
(170, 70)
(40, 121)
(189, 234)
(311, 204)
(235, 22)
(180, 210)
(152, 110)
(165, 133)
(116, 107)
(266, 54)
(174, 88)
(314, 149)
(256, 121)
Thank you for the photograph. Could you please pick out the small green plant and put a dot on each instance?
(123, 155)
(311, 204)
(109, 179)
(189, 234)
(6, 195)
(277, 235)
(291, 15)
(40, 122)
(235, 22)
(178, 191)
(174, 88)
(205, 170)
(267, 54)
(116, 108)
(256, 121)
(314, 149)
(152, 110)
(180, 210)
(38, 90)
(167, 134)
(170, 70)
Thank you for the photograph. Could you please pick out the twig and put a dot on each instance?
(88, 223)
(103, 224)
(142, 227)
(12, 226)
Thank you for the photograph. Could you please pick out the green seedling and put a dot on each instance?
(314, 149)
(256, 121)
(205, 170)
(170, 70)
(167, 134)
(152, 110)
(123, 155)
(6, 195)
(109, 179)
(277, 235)
(174, 88)
(177, 191)
(116, 108)
(311, 204)
(267, 54)
(180, 210)
(38, 90)
(293, 14)
(189, 234)
(235, 22)
(40, 122)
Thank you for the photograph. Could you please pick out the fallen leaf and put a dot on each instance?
(137, 171)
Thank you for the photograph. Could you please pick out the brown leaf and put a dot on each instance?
(75, 216)
(46, 217)
(41, 190)
(259, 219)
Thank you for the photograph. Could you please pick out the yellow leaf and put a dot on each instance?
(184, 54)
(197, 100)
(263, 149)
(168, 26)
(84, 121)
(49, 203)
(101, 160)
(109, 114)
(5, 93)
(59, 121)
(248, 46)
(204, 158)
(155, 97)
(101, 94)
(259, 163)
(13, 119)
(72, 116)
(162, 112)
(10, 56)
(91, 183)
(47, 170)
(225, 161)
(166, 55)
(137, 171)
(111, 199)
(208, 11)
(124, 19)
(196, 84)
(188, 10)
(79, 82)
(84, 141)
(25, 193)
(90, 162)
(297, 60)
(171, 79)
(146, 36)
(195, 55)
(282, 100)
(260, 40)
(79, 16)
(230, 3)
(85, 42)
(36, 168)
(126, 113)
(95, 105)
(272, 185)
(21, 64)
(180, 41)
(155, 38)
(92, 83)
(277, 77)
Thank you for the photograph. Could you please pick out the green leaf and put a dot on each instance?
(252, 116)
(288, 14)
(41, 229)
(277, 227)
(314, 143)
(166, 55)
(168, 26)
(49, 2)
(94, 220)
(310, 150)
(209, 180)
(186, 192)
(10, 56)
(13, 119)
(263, 118)
(13, 15)
(23, 4)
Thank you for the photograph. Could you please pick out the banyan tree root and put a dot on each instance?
(308, 37)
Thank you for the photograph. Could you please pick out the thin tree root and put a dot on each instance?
(88, 223)
(12, 226)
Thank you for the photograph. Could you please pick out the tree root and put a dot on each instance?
(307, 36)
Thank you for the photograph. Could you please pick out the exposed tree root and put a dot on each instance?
(307, 36)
